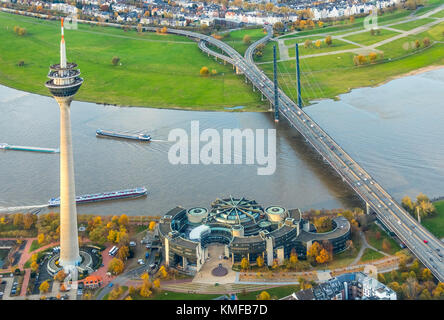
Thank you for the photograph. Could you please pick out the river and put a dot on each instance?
(394, 131)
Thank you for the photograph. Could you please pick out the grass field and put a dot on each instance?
(434, 33)
(155, 71)
(370, 254)
(329, 76)
(365, 38)
(435, 224)
(302, 39)
(335, 46)
(406, 26)
(377, 243)
(439, 14)
(235, 39)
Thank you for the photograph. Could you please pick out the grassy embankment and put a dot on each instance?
(435, 224)
(156, 70)
(331, 75)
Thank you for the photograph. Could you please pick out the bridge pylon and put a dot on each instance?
(298, 74)
(276, 92)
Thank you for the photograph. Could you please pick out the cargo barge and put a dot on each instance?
(6, 146)
(129, 193)
(123, 135)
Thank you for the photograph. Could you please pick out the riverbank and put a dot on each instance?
(155, 70)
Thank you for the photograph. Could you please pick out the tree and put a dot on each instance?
(352, 19)
(426, 42)
(245, 264)
(34, 266)
(386, 246)
(17, 220)
(116, 266)
(156, 283)
(145, 289)
(112, 236)
(425, 295)
(145, 276)
(115, 60)
(123, 220)
(308, 43)
(427, 274)
(323, 257)
(139, 28)
(328, 41)
(131, 290)
(407, 204)
(152, 225)
(293, 259)
(372, 57)
(123, 253)
(204, 71)
(163, 272)
(60, 276)
(246, 39)
(318, 43)
(417, 44)
(40, 238)
(323, 224)
(260, 261)
(313, 251)
(264, 295)
(44, 287)
(164, 30)
(28, 219)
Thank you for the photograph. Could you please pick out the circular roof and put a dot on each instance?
(275, 210)
(197, 232)
(197, 211)
(235, 210)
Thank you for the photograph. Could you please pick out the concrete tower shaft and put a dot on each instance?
(64, 83)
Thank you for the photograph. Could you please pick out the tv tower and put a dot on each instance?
(64, 83)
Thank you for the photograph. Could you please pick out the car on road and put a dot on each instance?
(425, 241)
(110, 285)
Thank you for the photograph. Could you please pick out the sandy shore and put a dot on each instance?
(418, 71)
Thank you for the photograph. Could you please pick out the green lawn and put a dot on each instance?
(434, 33)
(401, 47)
(278, 292)
(377, 243)
(366, 38)
(439, 14)
(412, 24)
(370, 254)
(157, 70)
(235, 39)
(301, 40)
(435, 224)
(329, 76)
(268, 52)
(335, 46)
(34, 245)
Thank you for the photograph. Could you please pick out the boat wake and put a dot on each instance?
(32, 209)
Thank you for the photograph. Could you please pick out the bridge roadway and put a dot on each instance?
(389, 212)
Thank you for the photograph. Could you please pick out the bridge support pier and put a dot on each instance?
(367, 208)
